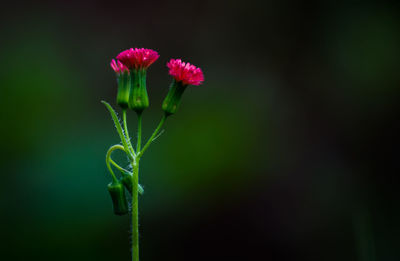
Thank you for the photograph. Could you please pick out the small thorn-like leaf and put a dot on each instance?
(140, 189)
(161, 132)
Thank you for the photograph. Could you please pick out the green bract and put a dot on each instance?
(117, 193)
(124, 87)
(173, 99)
(124, 82)
(138, 98)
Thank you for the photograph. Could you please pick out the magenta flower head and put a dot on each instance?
(184, 74)
(138, 60)
(124, 83)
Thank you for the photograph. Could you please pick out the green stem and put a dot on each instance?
(150, 140)
(140, 188)
(119, 167)
(135, 213)
(135, 199)
(139, 134)
(109, 160)
(114, 178)
(126, 131)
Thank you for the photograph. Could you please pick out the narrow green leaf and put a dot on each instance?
(117, 126)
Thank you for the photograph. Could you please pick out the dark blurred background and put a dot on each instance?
(289, 151)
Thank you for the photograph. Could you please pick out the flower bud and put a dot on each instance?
(184, 74)
(173, 99)
(124, 86)
(117, 193)
(138, 61)
(124, 83)
(126, 179)
(138, 98)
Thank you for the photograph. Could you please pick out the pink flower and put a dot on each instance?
(118, 67)
(138, 58)
(185, 72)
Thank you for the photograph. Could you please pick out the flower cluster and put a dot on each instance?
(133, 63)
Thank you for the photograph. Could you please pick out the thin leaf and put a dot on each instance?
(117, 125)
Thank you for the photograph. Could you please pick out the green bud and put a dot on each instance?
(126, 179)
(117, 193)
(173, 99)
(138, 99)
(124, 87)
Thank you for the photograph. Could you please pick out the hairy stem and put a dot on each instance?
(135, 198)
(128, 139)
(135, 213)
(139, 134)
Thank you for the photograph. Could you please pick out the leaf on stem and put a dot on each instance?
(117, 124)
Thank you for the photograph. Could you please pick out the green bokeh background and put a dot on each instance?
(288, 151)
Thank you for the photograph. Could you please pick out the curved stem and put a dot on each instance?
(119, 167)
(114, 178)
(108, 157)
(150, 140)
(109, 160)
(140, 188)
(126, 131)
(115, 147)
